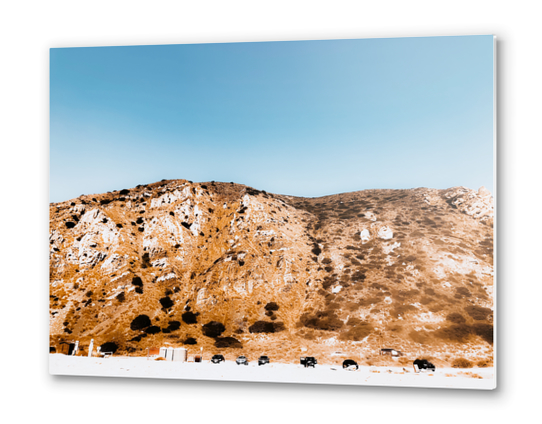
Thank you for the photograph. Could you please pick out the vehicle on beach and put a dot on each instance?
(262, 360)
(241, 360)
(309, 361)
(350, 365)
(217, 359)
(423, 365)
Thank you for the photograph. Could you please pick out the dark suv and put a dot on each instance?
(423, 365)
(350, 364)
(217, 359)
(309, 361)
(262, 360)
(242, 360)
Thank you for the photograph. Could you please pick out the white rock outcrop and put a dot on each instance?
(385, 233)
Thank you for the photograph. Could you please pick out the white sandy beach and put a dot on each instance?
(141, 367)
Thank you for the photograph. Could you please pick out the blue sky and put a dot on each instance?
(305, 118)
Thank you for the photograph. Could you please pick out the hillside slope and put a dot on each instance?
(228, 268)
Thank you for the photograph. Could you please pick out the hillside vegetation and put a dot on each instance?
(235, 270)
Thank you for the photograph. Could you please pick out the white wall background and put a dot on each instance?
(29, 28)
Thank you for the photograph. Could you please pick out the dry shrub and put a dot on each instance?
(455, 333)
(477, 312)
(190, 317)
(401, 310)
(140, 322)
(266, 327)
(456, 318)
(484, 363)
(213, 329)
(322, 320)
(153, 329)
(357, 333)
(485, 331)
(272, 306)
(420, 337)
(461, 363)
(224, 342)
(109, 347)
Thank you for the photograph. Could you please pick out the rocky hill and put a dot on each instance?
(235, 270)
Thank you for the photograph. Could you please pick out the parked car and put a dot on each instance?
(308, 361)
(423, 365)
(217, 359)
(262, 360)
(350, 364)
(242, 360)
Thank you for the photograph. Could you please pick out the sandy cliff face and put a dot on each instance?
(228, 268)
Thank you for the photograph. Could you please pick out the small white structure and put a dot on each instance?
(180, 354)
(90, 348)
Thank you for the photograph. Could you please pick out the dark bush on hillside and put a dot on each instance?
(145, 261)
(166, 302)
(109, 347)
(458, 333)
(322, 320)
(485, 331)
(358, 276)
(124, 192)
(401, 310)
(70, 224)
(271, 306)
(316, 249)
(190, 341)
(430, 291)
(136, 281)
(328, 282)
(462, 292)
(174, 325)
(140, 322)
(120, 297)
(154, 329)
(368, 301)
(477, 312)
(266, 327)
(213, 329)
(426, 300)
(186, 225)
(456, 318)
(223, 342)
(357, 332)
(190, 317)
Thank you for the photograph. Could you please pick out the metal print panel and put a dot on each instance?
(304, 211)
